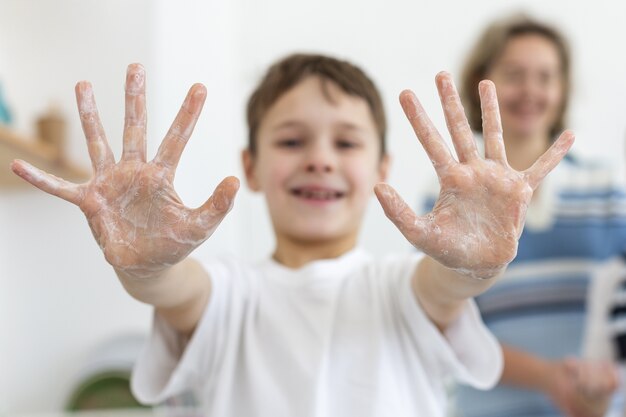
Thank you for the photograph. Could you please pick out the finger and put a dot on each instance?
(48, 183)
(602, 379)
(208, 216)
(135, 116)
(613, 378)
(492, 125)
(459, 128)
(401, 214)
(179, 133)
(431, 140)
(549, 159)
(99, 151)
(612, 382)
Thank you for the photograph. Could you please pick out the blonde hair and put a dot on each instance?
(488, 49)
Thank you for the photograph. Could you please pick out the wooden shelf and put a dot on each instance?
(45, 156)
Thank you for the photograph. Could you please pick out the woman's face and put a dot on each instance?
(529, 81)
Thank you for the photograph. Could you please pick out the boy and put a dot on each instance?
(320, 329)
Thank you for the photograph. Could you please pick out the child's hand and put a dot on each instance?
(131, 206)
(479, 215)
(582, 388)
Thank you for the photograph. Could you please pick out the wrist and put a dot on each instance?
(142, 274)
(150, 286)
(176, 286)
(526, 370)
(550, 385)
(481, 274)
(558, 383)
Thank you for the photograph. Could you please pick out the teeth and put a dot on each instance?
(318, 194)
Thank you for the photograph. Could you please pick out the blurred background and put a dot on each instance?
(60, 303)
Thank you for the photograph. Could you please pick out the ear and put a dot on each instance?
(383, 168)
(247, 159)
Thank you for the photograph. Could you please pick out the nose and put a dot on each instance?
(532, 84)
(318, 167)
(320, 159)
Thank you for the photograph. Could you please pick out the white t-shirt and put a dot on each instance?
(339, 337)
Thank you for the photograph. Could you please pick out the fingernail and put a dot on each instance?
(135, 78)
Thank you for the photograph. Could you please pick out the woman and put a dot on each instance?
(574, 221)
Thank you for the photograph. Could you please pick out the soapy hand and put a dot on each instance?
(134, 213)
(476, 222)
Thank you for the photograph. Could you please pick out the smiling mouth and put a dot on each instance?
(317, 194)
(527, 110)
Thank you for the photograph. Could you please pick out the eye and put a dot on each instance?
(347, 144)
(289, 143)
(514, 76)
(548, 78)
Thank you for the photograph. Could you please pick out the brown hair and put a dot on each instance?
(289, 71)
(488, 49)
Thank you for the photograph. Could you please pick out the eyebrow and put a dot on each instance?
(513, 62)
(287, 124)
(294, 123)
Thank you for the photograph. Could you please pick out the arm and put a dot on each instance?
(471, 234)
(524, 370)
(442, 292)
(179, 294)
(578, 388)
(135, 215)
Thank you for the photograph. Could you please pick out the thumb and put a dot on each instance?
(401, 214)
(211, 213)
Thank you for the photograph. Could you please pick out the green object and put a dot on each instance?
(104, 390)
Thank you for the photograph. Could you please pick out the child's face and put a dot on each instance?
(530, 86)
(317, 161)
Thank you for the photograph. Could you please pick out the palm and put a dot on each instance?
(137, 218)
(479, 215)
(131, 206)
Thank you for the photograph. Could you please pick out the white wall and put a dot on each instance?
(58, 298)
